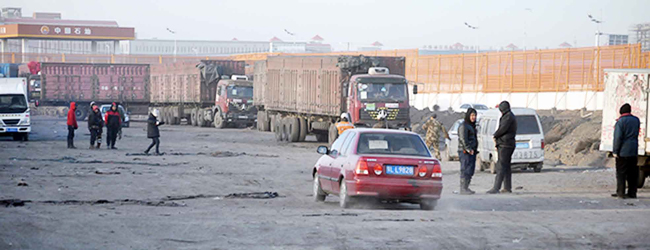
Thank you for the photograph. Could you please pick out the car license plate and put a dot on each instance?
(522, 144)
(399, 170)
(243, 117)
(12, 129)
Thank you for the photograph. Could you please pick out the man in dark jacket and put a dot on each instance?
(626, 146)
(113, 123)
(505, 142)
(72, 124)
(95, 124)
(467, 150)
(152, 131)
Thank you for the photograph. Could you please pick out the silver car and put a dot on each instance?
(452, 145)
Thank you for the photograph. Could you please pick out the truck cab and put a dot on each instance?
(234, 102)
(376, 92)
(14, 108)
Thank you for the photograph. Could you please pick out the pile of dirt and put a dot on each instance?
(419, 117)
(572, 138)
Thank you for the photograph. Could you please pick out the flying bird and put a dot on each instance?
(171, 31)
(470, 26)
(291, 34)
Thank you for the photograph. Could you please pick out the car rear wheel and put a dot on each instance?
(493, 167)
(428, 204)
(641, 181)
(345, 201)
(319, 194)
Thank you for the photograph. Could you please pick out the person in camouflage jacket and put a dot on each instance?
(433, 128)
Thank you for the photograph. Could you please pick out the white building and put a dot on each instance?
(191, 48)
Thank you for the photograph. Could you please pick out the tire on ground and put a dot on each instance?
(332, 134)
(199, 118)
(192, 120)
(293, 129)
(218, 120)
(303, 129)
(278, 129)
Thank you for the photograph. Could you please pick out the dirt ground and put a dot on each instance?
(119, 199)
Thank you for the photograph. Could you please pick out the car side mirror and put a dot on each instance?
(415, 89)
(323, 150)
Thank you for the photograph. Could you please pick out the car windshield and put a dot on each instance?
(392, 144)
(480, 107)
(527, 125)
(13, 104)
(377, 92)
(106, 108)
(240, 91)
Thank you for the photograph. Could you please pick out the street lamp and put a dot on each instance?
(598, 33)
(173, 33)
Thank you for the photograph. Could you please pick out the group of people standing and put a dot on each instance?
(113, 122)
(504, 138)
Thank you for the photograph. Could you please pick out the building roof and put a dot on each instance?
(565, 45)
(317, 38)
(511, 46)
(377, 44)
(42, 21)
(275, 39)
(235, 39)
(457, 45)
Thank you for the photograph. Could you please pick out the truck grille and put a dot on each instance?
(11, 121)
(393, 114)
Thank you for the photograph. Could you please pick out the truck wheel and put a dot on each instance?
(332, 134)
(293, 127)
(303, 129)
(321, 137)
(26, 137)
(285, 128)
(278, 129)
(218, 120)
(641, 179)
(538, 167)
(199, 118)
(81, 113)
(192, 120)
(273, 120)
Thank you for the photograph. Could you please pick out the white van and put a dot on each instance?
(529, 151)
(14, 108)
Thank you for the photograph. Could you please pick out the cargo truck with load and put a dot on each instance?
(207, 93)
(54, 85)
(627, 86)
(300, 95)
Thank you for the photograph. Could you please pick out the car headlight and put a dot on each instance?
(24, 121)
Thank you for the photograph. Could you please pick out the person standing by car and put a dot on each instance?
(433, 128)
(113, 123)
(625, 150)
(344, 124)
(95, 124)
(505, 142)
(467, 150)
(152, 131)
(72, 124)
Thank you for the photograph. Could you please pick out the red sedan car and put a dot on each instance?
(385, 164)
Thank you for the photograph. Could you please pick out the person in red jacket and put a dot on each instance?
(72, 124)
(113, 123)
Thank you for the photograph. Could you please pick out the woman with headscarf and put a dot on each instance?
(152, 131)
(467, 150)
(113, 123)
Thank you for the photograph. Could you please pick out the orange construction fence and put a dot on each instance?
(555, 70)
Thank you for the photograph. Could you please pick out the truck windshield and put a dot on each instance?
(240, 92)
(378, 92)
(12, 104)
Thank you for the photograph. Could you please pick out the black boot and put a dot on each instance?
(467, 182)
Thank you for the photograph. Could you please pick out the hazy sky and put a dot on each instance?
(396, 23)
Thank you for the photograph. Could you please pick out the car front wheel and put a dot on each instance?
(428, 204)
(319, 194)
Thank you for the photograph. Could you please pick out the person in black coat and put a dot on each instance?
(152, 131)
(625, 150)
(113, 124)
(504, 138)
(467, 150)
(95, 124)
